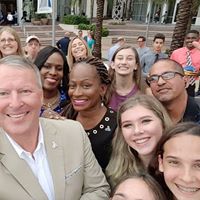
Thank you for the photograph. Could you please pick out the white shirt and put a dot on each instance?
(38, 163)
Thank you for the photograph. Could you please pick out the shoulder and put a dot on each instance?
(67, 127)
(192, 111)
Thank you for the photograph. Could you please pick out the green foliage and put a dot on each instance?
(92, 27)
(75, 19)
(86, 26)
(40, 15)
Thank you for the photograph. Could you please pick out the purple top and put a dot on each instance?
(117, 99)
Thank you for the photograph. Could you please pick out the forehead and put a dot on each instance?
(184, 146)
(8, 71)
(162, 66)
(82, 70)
(158, 40)
(6, 34)
(125, 52)
(77, 40)
(134, 188)
(191, 35)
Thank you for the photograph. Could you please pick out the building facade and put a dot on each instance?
(141, 11)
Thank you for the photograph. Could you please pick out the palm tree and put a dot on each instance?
(98, 30)
(186, 10)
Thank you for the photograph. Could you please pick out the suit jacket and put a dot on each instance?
(75, 171)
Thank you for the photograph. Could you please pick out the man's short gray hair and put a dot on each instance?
(16, 61)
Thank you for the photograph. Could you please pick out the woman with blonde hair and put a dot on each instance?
(77, 50)
(141, 121)
(10, 43)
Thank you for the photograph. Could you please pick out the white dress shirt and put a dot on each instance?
(38, 163)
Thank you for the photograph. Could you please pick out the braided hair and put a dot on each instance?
(102, 73)
(100, 67)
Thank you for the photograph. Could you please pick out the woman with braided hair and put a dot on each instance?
(88, 82)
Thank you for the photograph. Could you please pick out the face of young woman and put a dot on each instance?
(133, 189)
(85, 88)
(78, 49)
(52, 72)
(181, 166)
(141, 129)
(125, 62)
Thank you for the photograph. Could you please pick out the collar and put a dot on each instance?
(20, 151)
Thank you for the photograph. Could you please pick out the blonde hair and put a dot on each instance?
(70, 58)
(13, 32)
(124, 160)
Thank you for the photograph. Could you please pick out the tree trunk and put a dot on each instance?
(183, 16)
(99, 22)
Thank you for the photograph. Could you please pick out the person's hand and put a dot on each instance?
(196, 44)
(52, 115)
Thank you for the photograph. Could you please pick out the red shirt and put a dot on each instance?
(180, 55)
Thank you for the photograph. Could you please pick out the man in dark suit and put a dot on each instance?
(63, 43)
(41, 159)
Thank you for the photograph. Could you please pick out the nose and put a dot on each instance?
(187, 175)
(15, 100)
(77, 91)
(138, 129)
(161, 81)
(53, 71)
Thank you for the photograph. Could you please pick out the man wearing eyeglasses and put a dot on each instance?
(167, 82)
(142, 48)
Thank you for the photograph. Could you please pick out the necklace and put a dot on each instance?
(52, 102)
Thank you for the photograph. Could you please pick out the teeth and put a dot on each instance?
(17, 116)
(140, 141)
(187, 189)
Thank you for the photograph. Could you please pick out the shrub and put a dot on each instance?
(92, 27)
(75, 19)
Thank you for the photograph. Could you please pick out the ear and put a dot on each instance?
(112, 65)
(160, 162)
(103, 89)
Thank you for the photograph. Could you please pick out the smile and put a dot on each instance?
(17, 115)
(142, 141)
(187, 189)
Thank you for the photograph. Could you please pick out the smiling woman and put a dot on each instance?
(77, 49)
(54, 74)
(141, 122)
(177, 158)
(10, 43)
(88, 82)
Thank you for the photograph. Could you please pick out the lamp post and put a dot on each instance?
(54, 11)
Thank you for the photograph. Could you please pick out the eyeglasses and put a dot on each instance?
(9, 40)
(165, 76)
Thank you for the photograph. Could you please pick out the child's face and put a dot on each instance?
(181, 166)
(133, 189)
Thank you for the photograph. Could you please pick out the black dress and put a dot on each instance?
(101, 137)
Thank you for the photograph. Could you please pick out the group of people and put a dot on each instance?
(72, 127)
